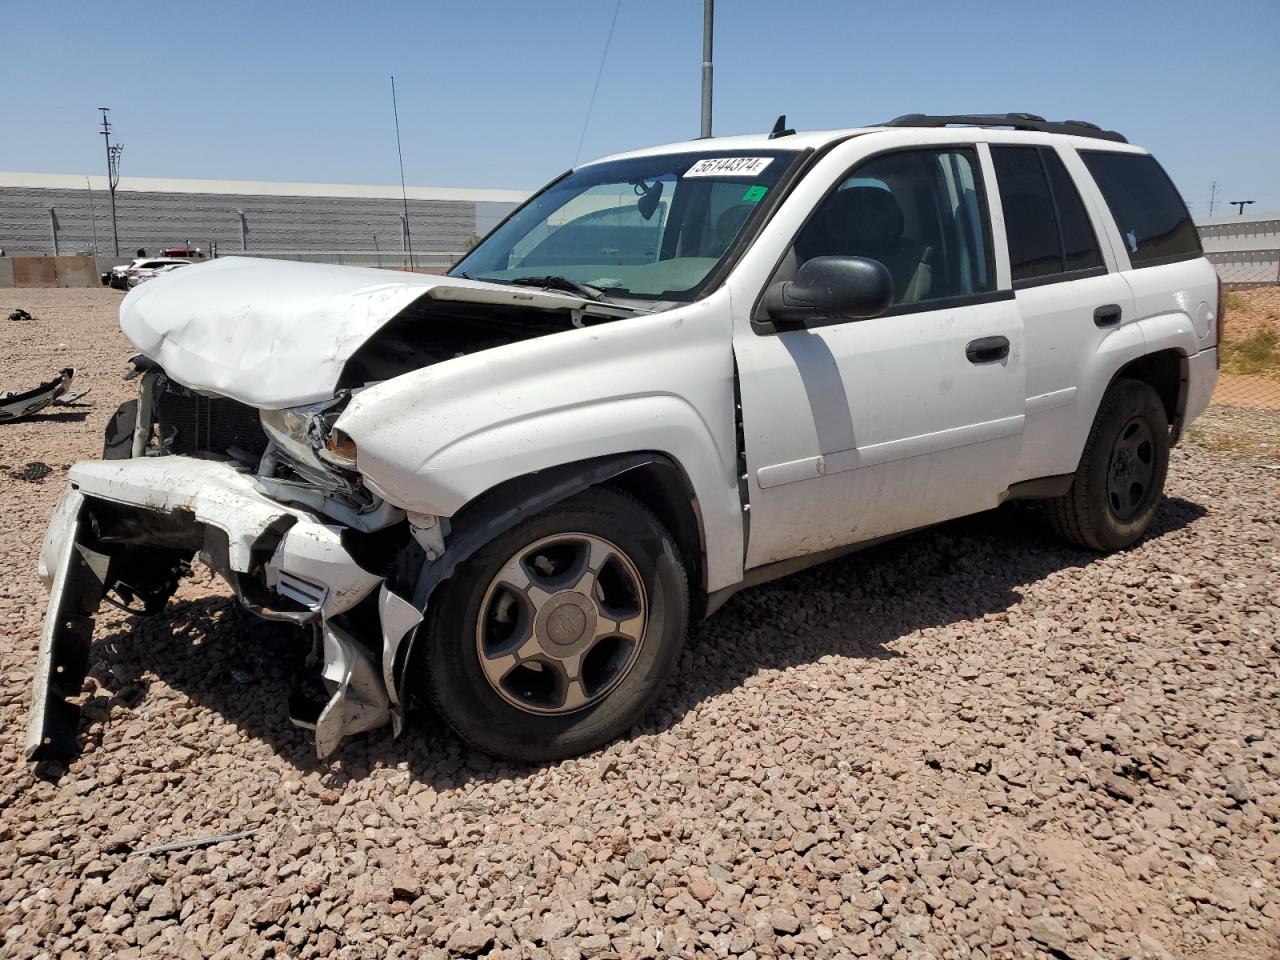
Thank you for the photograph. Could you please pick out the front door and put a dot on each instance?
(857, 429)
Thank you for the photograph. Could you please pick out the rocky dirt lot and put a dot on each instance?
(972, 742)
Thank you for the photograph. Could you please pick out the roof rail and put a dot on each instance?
(1018, 121)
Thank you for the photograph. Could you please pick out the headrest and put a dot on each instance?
(863, 216)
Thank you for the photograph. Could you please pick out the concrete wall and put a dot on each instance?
(157, 220)
(49, 272)
(24, 271)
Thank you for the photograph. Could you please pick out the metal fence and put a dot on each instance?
(1244, 417)
(430, 261)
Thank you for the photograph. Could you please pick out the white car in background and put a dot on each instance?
(120, 275)
(669, 375)
(151, 269)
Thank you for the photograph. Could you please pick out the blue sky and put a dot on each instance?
(494, 93)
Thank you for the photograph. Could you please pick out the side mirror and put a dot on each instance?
(853, 288)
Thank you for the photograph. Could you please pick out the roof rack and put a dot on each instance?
(1018, 121)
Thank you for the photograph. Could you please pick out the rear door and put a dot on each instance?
(1077, 311)
(857, 429)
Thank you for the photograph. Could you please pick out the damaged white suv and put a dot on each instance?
(670, 374)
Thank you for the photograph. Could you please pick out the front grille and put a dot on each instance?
(190, 424)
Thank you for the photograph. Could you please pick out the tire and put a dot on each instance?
(1120, 479)
(477, 618)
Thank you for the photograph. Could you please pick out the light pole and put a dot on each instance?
(1239, 205)
(708, 22)
(113, 173)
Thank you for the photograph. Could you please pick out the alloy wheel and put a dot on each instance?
(561, 623)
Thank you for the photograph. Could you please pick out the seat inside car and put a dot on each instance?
(861, 221)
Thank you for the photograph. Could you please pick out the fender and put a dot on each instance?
(434, 440)
(1125, 344)
(1169, 331)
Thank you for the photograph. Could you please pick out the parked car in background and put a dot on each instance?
(115, 277)
(146, 269)
(183, 252)
(118, 276)
(670, 375)
(149, 271)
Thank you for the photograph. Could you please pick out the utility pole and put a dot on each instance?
(1239, 205)
(113, 173)
(1213, 196)
(93, 216)
(708, 24)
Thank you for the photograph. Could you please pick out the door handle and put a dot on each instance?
(1107, 315)
(987, 349)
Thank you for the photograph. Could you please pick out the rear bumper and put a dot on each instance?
(283, 563)
(1202, 379)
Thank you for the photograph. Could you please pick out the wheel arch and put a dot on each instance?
(653, 478)
(1167, 372)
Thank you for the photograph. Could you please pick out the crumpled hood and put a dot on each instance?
(274, 333)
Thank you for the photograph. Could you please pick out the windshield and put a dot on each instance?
(650, 227)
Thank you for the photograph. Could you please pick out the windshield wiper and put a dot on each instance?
(560, 283)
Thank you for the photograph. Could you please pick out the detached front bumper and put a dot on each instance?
(117, 517)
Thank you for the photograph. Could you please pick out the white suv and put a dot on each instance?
(670, 374)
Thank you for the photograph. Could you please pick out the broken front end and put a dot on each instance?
(190, 476)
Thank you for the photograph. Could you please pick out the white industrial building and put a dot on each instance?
(42, 213)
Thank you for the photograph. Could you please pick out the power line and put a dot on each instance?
(599, 73)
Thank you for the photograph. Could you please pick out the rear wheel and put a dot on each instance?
(559, 634)
(1119, 482)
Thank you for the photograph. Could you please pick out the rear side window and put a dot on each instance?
(1029, 221)
(1048, 230)
(1152, 218)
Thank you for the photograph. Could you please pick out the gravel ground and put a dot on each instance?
(971, 742)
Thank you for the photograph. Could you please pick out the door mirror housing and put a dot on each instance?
(851, 288)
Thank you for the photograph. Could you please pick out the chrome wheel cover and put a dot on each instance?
(561, 624)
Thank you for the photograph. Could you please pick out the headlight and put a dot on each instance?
(339, 449)
(306, 435)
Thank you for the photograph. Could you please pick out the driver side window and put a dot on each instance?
(920, 213)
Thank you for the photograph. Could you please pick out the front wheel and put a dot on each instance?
(1119, 482)
(558, 635)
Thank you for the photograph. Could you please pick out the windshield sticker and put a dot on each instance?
(754, 194)
(729, 167)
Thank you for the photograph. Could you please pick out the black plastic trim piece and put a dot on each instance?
(1059, 278)
(755, 576)
(768, 327)
(1107, 315)
(1165, 261)
(1041, 488)
(1018, 121)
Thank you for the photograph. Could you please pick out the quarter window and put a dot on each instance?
(1079, 243)
(1047, 228)
(919, 213)
(1152, 218)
